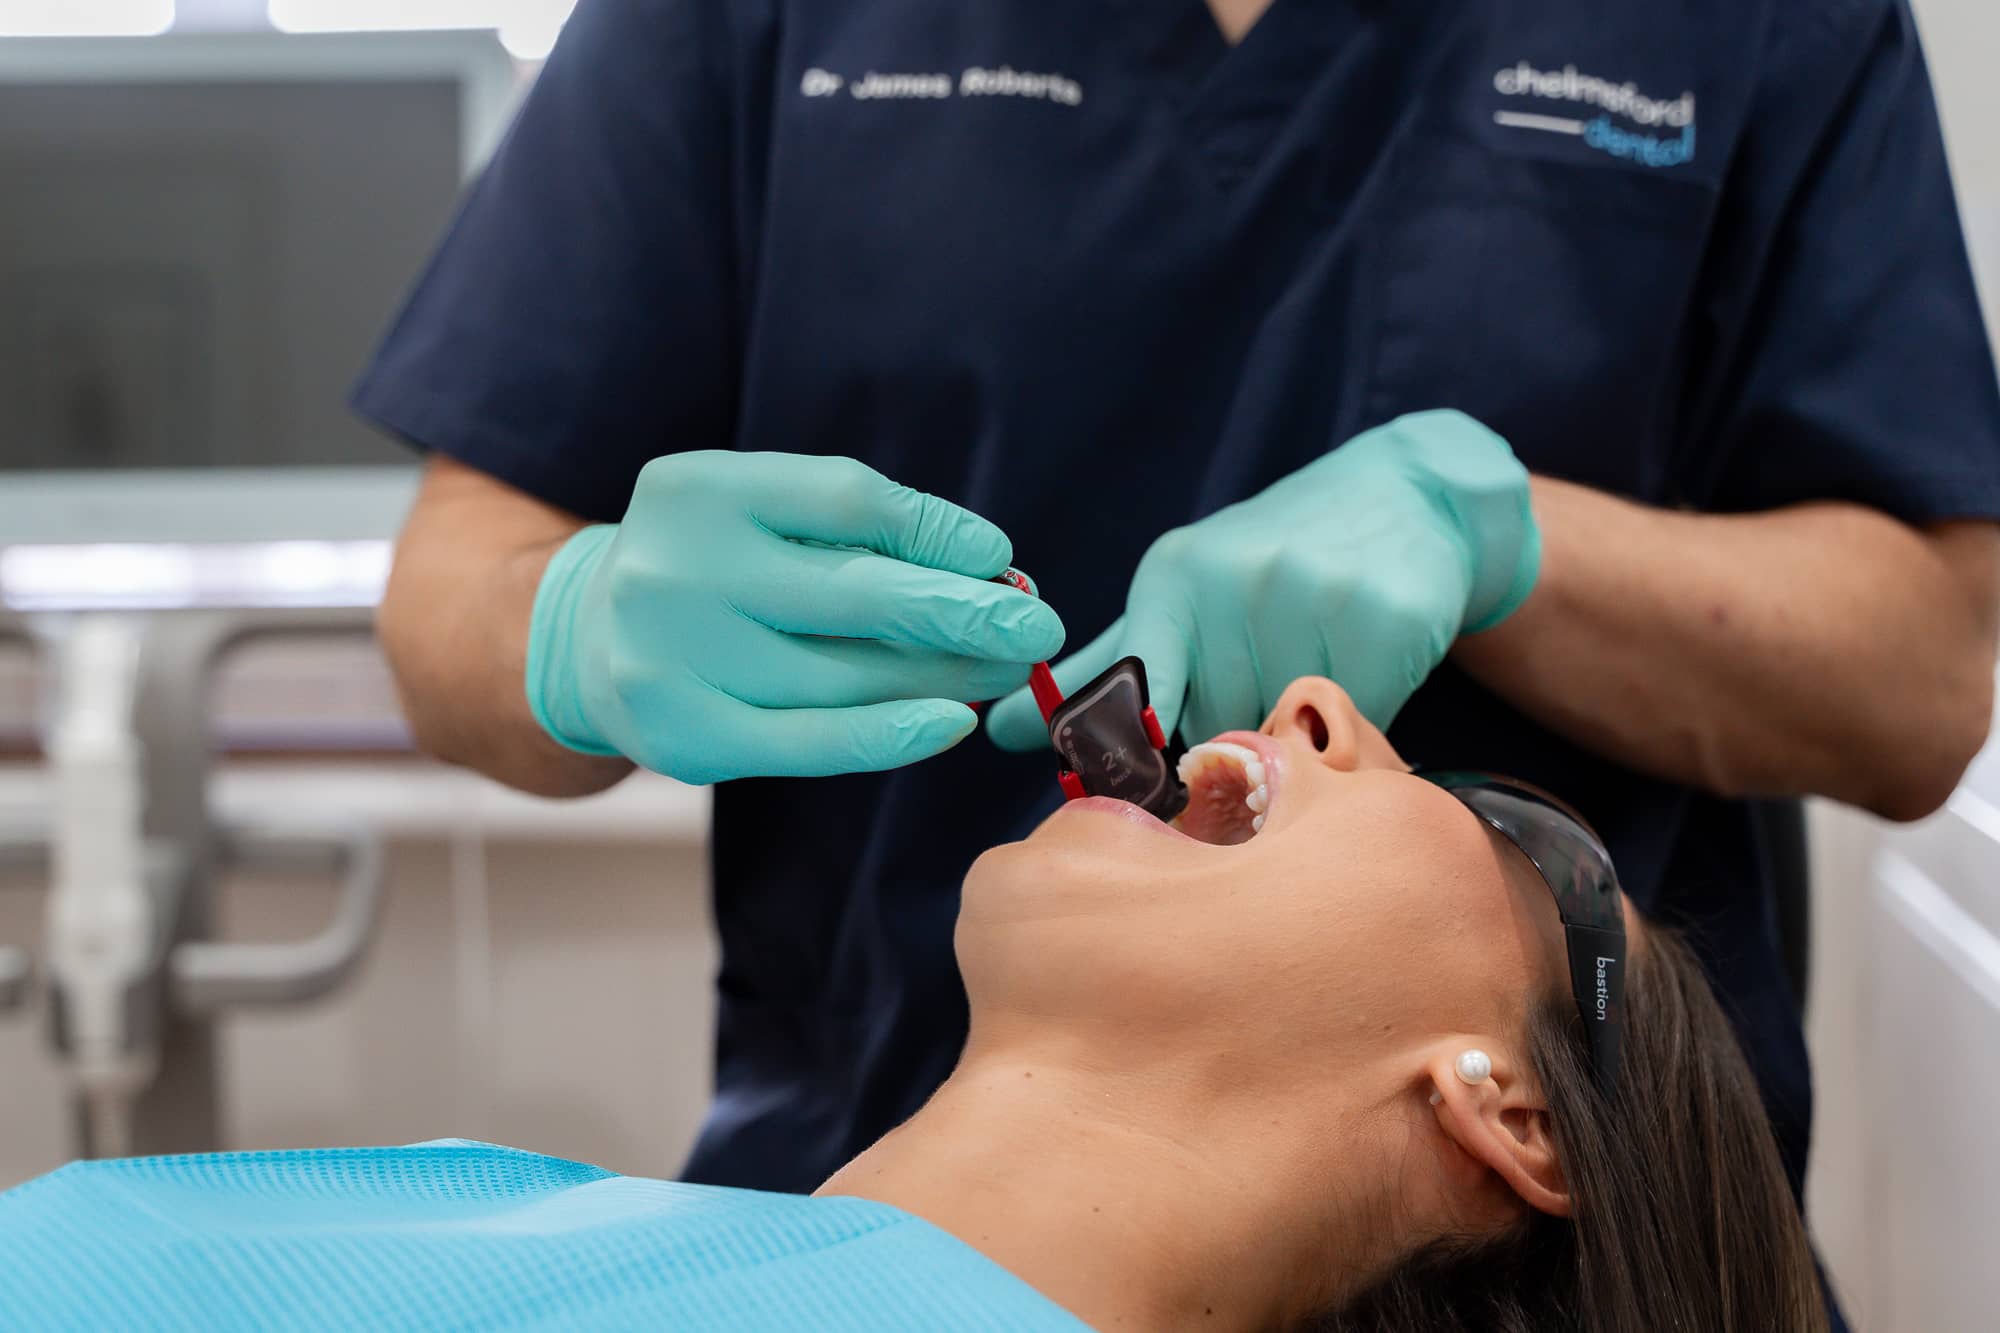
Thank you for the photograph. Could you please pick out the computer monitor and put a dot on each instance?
(201, 237)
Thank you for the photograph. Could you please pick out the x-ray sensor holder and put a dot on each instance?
(1107, 733)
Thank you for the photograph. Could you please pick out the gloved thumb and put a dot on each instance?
(820, 742)
(1153, 638)
(1015, 723)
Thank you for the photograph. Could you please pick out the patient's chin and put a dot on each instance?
(1003, 879)
(1059, 880)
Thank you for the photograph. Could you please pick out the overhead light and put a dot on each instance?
(531, 33)
(96, 18)
(527, 28)
(383, 15)
(128, 576)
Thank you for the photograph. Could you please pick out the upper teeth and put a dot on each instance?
(1244, 759)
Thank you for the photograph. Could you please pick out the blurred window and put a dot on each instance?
(528, 28)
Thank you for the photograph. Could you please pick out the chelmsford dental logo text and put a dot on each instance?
(1665, 130)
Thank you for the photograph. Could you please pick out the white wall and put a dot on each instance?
(1904, 1192)
(1962, 39)
(542, 976)
(1895, 1193)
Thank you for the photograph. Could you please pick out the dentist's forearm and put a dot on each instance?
(1825, 648)
(454, 624)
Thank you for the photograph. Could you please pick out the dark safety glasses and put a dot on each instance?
(1574, 864)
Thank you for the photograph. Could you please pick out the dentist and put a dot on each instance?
(737, 386)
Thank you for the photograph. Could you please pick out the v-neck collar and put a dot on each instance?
(1234, 98)
(1264, 7)
(1186, 39)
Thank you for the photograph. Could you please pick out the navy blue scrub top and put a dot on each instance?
(1082, 267)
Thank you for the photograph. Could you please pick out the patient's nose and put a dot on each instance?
(1316, 712)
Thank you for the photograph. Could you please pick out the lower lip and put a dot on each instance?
(1128, 812)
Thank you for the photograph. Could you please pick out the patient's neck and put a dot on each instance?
(1135, 1199)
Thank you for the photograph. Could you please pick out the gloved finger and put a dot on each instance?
(855, 595)
(1232, 685)
(794, 672)
(1381, 649)
(820, 742)
(1287, 653)
(843, 502)
(1155, 638)
(1015, 723)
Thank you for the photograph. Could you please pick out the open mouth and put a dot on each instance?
(1229, 792)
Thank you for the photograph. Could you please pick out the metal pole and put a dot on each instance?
(14, 965)
(180, 1110)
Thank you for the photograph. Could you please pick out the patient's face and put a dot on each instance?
(1369, 908)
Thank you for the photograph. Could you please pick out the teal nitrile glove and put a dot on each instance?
(1363, 566)
(777, 615)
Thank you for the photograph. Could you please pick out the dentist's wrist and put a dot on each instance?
(553, 678)
(1508, 572)
(1483, 493)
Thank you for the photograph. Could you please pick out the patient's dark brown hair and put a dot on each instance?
(1683, 1218)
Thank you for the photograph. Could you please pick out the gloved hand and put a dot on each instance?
(1363, 566)
(777, 615)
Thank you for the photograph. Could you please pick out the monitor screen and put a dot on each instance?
(201, 239)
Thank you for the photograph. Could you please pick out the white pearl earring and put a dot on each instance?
(1474, 1066)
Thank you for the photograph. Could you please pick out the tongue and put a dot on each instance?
(1215, 812)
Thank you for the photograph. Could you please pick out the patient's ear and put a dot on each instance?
(1503, 1124)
